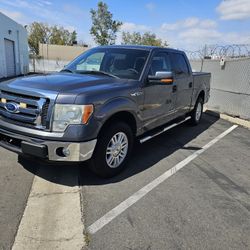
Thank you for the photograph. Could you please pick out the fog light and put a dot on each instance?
(66, 152)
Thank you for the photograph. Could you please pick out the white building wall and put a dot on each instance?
(13, 31)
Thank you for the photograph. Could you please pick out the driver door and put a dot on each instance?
(159, 98)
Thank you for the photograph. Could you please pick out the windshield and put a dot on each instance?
(122, 63)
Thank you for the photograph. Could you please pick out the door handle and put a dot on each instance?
(174, 88)
(190, 85)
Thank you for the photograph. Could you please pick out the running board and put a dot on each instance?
(164, 130)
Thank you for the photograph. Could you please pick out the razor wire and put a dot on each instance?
(220, 51)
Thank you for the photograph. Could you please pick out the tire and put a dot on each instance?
(106, 162)
(196, 114)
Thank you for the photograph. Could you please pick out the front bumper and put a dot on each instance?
(47, 149)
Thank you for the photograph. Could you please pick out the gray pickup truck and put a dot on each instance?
(97, 106)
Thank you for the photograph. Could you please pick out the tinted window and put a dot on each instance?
(160, 62)
(123, 63)
(93, 62)
(179, 63)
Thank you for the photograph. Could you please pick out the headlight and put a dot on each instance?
(66, 114)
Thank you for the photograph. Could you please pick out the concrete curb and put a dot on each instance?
(52, 218)
(238, 121)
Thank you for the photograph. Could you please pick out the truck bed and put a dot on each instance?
(202, 79)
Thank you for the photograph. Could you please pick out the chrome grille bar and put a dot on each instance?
(18, 99)
(31, 110)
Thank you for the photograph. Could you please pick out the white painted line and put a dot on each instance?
(112, 214)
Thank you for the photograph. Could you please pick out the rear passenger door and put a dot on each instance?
(184, 82)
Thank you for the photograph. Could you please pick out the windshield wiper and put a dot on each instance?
(67, 70)
(96, 72)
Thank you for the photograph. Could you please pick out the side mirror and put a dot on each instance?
(165, 77)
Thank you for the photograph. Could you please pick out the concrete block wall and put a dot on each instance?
(230, 85)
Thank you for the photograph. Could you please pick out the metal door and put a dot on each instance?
(10, 57)
(159, 98)
(184, 82)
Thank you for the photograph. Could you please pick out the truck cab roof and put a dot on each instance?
(141, 47)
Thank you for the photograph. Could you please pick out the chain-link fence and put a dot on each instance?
(40, 65)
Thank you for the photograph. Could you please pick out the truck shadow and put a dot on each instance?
(144, 156)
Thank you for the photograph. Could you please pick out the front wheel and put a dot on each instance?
(112, 151)
(197, 112)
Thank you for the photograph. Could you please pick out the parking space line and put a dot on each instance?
(123, 206)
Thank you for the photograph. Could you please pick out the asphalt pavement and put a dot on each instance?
(205, 205)
(15, 185)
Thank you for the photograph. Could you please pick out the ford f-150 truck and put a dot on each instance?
(97, 106)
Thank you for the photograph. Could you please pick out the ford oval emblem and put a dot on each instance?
(12, 107)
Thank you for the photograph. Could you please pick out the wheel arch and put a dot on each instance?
(121, 116)
(202, 95)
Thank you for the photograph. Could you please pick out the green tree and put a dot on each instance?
(38, 33)
(61, 36)
(42, 33)
(146, 38)
(73, 36)
(104, 28)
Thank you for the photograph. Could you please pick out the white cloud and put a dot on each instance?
(66, 15)
(70, 28)
(196, 38)
(12, 14)
(189, 23)
(43, 11)
(170, 26)
(234, 9)
(208, 23)
(199, 35)
(47, 2)
(236, 38)
(131, 27)
(43, 3)
(187, 33)
(150, 6)
(191, 33)
(15, 15)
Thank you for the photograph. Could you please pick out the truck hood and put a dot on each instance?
(60, 83)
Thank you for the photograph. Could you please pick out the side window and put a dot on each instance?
(179, 63)
(160, 62)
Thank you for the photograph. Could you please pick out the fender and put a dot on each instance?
(196, 92)
(116, 105)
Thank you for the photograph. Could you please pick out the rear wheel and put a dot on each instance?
(112, 150)
(196, 114)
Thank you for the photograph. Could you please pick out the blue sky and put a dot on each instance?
(187, 24)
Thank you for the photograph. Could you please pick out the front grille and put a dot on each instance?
(30, 111)
(44, 114)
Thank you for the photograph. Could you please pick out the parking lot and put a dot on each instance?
(202, 202)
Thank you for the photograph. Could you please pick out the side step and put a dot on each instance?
(163, 130)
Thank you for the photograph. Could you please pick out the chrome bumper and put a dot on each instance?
(50, 150)
(77, 151)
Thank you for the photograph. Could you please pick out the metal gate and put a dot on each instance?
(10, 57)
